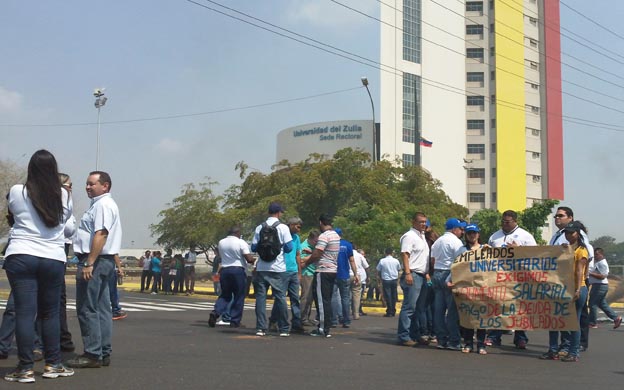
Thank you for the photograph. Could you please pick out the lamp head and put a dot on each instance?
(364, 81)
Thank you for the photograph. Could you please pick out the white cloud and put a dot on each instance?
(10, 101)
(331, 15)
(168, 145)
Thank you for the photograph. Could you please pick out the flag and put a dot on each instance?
(426, 143)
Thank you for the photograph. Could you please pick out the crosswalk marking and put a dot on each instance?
(145, 305)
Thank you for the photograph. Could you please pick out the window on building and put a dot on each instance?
(475, 77)
(535, 155)
(535, 132)
(534, 86)
(475, 124)
(493, 123)
(411, 106)
(492, 28)
(532, 42)
(476, 197)
(491, 4)
(533, 21)
(492, 51)
(493, 75)
(476, 148)
(474, 29)
(533, 65)
(493, 99)
(408, 160)
(536, 178)
(493, 197)
(475, 100)
(533, 109)
(476, 53)
(493, 173)
(476, 173)
(493, 148)
(474, 6)
(411, 30)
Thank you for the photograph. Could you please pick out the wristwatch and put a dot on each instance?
(86, 264)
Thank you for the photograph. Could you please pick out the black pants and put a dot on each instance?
(323, 285)
(146, 275)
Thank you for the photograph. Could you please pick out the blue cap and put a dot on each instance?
(453, 223)
(472, 228)
(339, 231)
(275, 208)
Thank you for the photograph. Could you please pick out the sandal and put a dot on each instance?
(467, 349)
(482, 351)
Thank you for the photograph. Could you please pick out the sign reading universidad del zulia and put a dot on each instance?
(522, 288)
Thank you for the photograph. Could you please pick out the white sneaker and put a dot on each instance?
(284, 334)
(223, 323)
(260, 332)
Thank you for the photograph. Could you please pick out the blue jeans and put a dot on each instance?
(93, 307)
(114, 294)
(292, 287)
(341, 302)
(598, 299)
(232, 299)
(573, 337)
(277, 281)
(423, 309)
(445, 316)
(36, 285)
(7, 328)
(408, 317)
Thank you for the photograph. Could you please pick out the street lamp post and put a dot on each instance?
(100, 101)
(365, 84)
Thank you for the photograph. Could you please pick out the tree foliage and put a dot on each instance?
(10, 174)
(192, 219)
(373, 203)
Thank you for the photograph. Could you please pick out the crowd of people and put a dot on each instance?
(324, 270)
(327, 271)
(168, 274)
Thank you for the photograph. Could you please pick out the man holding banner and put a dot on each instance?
(510, 235)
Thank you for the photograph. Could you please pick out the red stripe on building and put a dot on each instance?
(554, 121)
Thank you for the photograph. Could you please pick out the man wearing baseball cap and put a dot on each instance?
(444, 310)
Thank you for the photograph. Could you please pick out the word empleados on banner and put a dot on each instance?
(524, 288)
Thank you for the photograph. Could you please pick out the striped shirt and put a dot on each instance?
(329, 244)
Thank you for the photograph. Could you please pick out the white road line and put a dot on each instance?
(148, 307)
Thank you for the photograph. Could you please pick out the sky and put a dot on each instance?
(172, 57)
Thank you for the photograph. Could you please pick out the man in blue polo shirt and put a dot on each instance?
(347, 274)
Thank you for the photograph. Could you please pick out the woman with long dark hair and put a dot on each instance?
(35, 263)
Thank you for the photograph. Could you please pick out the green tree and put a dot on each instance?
(192, 219)
(10, 174)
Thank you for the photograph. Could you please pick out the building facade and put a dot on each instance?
(481, 80)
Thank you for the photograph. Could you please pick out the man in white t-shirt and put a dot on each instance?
(235, 255)
(510, 235)
(146, 273)
(96, 244)
(189, 270)
(272, 273)
(415, 261)
(358, 288)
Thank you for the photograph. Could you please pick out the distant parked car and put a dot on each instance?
(129, 261)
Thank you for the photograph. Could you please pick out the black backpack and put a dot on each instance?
(269, 245)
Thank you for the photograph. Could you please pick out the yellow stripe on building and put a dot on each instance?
(510, 99)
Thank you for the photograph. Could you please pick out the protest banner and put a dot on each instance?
(523, 288)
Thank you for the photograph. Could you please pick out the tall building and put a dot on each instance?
(481, 80)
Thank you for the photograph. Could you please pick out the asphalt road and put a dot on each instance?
(165, 343)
